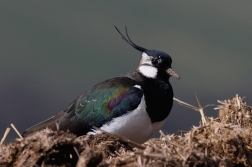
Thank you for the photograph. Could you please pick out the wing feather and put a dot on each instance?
(105, 101)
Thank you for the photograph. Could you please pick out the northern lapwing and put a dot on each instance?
(134, 105)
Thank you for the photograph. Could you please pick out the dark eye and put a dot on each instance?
(154, 60)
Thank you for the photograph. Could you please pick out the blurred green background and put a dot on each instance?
(52, 51)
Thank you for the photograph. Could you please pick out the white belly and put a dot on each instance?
(135, 125)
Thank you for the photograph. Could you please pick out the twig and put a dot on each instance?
(190, 138)
(77, 152)
(16, 131)
(5, 135)
(203, 117)
(200, 108)
(186, 104)
(162, 133)
(158, 156)
(57, 126)
(134, 144)
(238, 102)
(139, 161)
(189, 105)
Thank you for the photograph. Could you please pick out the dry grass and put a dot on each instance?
(223, 141)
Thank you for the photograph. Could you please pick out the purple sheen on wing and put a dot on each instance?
(116, 101)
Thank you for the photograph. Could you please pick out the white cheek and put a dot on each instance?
(148, 71)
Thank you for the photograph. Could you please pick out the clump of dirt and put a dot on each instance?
(52, 148)
(223, 141)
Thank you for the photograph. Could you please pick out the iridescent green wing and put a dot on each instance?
(99, 105)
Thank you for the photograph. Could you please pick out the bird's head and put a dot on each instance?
(153, 63)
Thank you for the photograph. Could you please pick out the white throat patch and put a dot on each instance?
(148, 71)
(146, 67)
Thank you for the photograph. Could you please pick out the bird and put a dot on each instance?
(133, 105)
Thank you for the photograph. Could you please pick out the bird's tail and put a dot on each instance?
(50, 123)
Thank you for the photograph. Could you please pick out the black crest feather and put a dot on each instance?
(129, 41)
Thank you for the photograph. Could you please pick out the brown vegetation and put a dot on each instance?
(223, 141)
